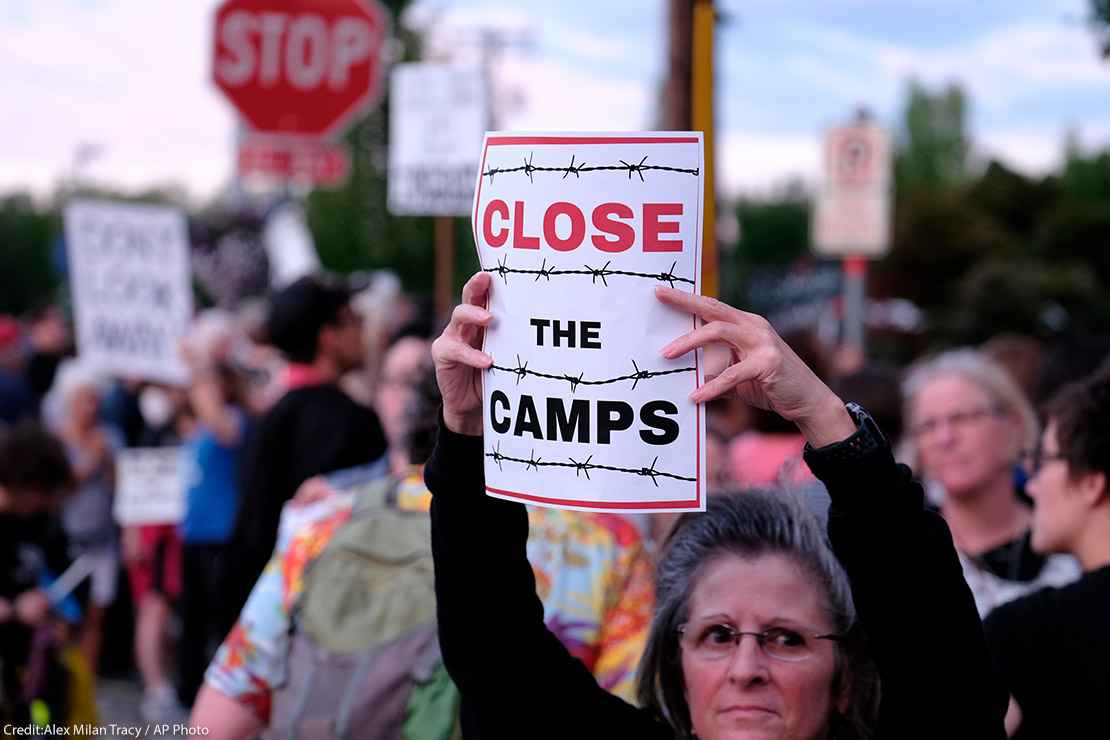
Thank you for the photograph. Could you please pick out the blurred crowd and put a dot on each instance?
(279, 604)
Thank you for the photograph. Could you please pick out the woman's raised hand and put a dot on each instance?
(459, 361)
(764, 372)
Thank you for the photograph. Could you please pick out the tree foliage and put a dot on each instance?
(1100, 23)
(934, 144)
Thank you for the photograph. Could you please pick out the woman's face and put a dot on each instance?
(1060, 510)
(84, 403)
(965, 443)
(746, 694)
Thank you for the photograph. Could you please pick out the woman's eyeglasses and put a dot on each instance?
(718, 641)
(930, 426)
(1033, 460)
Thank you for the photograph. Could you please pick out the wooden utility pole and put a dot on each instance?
(688, 106)
(677, 93)
(445, 266)
(701, 82)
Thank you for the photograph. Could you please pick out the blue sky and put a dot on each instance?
(131, 77)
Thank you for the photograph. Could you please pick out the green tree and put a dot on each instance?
(27, 277)
(1100, 24)
(932, 147)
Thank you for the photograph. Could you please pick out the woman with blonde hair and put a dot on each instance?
(968, 423)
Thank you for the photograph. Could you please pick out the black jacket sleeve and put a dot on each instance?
(922, 626)
(516, 678)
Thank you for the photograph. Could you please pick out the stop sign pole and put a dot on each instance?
(299, 67)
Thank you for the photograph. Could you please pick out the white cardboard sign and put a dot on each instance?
(437, 117)
(130, 278)
(581, 409)
(852, 214)
(150, 486)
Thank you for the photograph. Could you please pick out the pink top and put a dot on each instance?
(761, 460)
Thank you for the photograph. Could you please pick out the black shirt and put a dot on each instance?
(30, 547)
(1052, 650)
(312, 430)
(517, 680)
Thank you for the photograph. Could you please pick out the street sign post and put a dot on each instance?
(299, 67)
(852, 215)
(322, 163)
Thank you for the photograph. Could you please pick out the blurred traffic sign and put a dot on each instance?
(299, 67)
(437, 120)
(321, 163)
(852, 215)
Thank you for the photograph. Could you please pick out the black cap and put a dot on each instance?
(300, 310)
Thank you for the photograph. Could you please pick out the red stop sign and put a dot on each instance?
(299, 67)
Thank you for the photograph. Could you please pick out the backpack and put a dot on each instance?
(364, 659)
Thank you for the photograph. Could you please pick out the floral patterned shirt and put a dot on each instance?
(592, 574)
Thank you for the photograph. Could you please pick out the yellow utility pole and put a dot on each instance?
(701, 84)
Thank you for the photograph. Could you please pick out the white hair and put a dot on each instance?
(72, 375)
(977, 368)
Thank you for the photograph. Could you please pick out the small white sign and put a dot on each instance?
(581, 409)
(436, 123)
(150, 486)
(852, 213)
(130, 278)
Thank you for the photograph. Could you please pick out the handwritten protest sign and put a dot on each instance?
(581, 410)
(150, 486)
(129, 274)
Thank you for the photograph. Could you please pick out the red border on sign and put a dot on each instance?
(696, 503)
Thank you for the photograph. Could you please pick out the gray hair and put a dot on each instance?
(977, 368)
(72, 375)
(749, 525)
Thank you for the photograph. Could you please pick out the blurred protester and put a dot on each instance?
(968, 422)
(591, 572)
(16, 400)
(87, 515)
(49, 342)
(34, 474)
(213, 454)
(771, 453)
(153, 556)
(313, 429)
(261, 364)
(401, 368)
(383, 307)
(878, 388)
(1051, 647)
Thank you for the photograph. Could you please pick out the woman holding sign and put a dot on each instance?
(752, 566)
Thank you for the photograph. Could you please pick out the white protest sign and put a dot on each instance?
(581, 409)
(289, 245)
(852, 213)
(130, 279)
(437, 118)
(150, 486)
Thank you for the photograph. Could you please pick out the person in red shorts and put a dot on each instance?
(152, 554)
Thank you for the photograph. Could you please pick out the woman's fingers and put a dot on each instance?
(466, 320)
(453, 350)
(716, 331)
(709, 309)
(476, 290)
(733, 376)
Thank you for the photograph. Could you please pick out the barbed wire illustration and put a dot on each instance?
(602, 272)
(521, 371)
(583, 467)
(637, 168)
